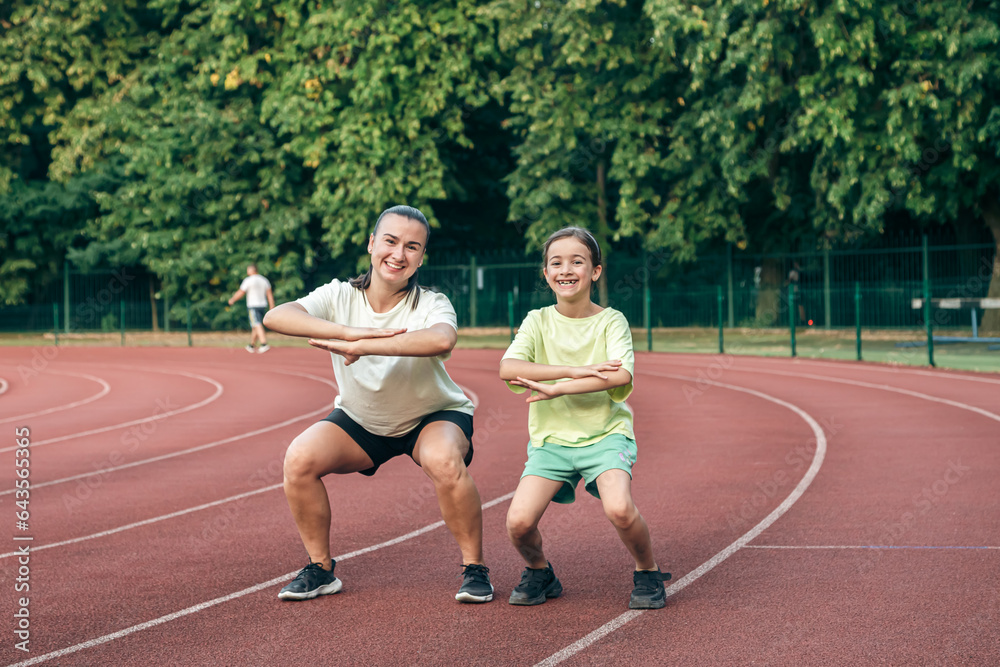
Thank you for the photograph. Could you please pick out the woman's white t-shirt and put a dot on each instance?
(389, 395)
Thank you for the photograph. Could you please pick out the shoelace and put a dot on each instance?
(476, 571)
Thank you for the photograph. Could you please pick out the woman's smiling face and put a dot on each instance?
(397, 248)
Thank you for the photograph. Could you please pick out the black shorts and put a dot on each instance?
(381, 448)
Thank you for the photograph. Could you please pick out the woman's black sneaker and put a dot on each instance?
(649, 592)
(476, 586)
(311, 581)
(536, 586)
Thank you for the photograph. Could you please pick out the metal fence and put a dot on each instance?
(649, 289)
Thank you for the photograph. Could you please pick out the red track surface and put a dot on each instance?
(746, 465)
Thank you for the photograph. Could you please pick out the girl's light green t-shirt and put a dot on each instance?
(577, 420)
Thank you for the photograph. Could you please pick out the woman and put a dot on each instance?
(389, 339)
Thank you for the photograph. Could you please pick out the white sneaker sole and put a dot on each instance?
(328, 589)
(468, 597)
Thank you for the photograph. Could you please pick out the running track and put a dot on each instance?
(811, 513)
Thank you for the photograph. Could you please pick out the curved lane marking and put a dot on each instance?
(145, 522)
(718, 558)
(105, 389)
(4, 385)
(870, 385)
(946, 374)
(191, 450)
(134, 422)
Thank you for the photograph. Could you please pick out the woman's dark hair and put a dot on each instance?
(412, 288)
(580, 234)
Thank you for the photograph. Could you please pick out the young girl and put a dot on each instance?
(388, 339)
(580, 426)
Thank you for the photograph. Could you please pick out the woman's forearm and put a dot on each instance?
(431, 342)
(292, 319)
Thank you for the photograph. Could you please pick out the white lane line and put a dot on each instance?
(4, 385)
(718, 558)
(145, 420)
(233, 596)
(870, 385)
(105, 388)
(146, 522)
(191, 450)
(848, 366)
(861, 546)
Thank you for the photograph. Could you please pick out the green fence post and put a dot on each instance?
(473, 288)
(729, 284)
(66, 295)
(188, 306)
(857, 316)
(927, 303)
(166, 310)
(510, 314)
(792, 314)
(121, 313)
(55, 321)
(719, 295)
(827, 308)
(647, 315)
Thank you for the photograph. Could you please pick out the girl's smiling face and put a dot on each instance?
(569, 269)
(397, 248)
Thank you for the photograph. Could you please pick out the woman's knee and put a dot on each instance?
(299, 461)
(444, 465)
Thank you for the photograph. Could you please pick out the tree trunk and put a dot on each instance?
(769, 293)
(991, 214)
(152, 304)
(603, 231)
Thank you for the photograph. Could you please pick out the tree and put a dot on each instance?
(55, 54)
(806, 124)
(587, 97)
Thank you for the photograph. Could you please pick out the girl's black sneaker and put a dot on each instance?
(649, 592)
(536, 586)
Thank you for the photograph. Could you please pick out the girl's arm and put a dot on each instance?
(514, 369)
(292, 319)
(584, 385)
(430, 342)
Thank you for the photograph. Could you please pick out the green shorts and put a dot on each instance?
(571, 464)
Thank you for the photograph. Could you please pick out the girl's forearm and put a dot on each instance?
(618, 378)
(511, 369)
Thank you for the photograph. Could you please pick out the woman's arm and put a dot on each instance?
(584, 385)
(292, 319)
(512, 369)
(430, 342)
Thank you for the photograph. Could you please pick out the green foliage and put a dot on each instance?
(192, 137)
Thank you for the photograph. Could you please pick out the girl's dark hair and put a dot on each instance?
(412, 289)
(580, 234)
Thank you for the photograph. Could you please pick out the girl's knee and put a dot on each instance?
(622, 514)
(519, 525)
